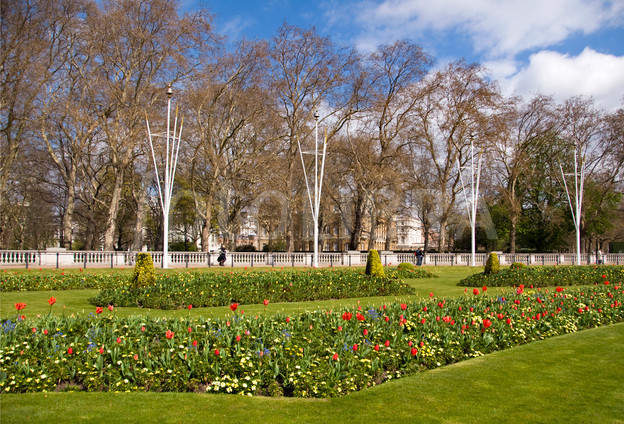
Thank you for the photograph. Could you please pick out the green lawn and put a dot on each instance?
(573, 378)
(76, 301)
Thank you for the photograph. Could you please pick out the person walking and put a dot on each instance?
(419, 257)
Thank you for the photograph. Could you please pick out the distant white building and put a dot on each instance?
(409, 233)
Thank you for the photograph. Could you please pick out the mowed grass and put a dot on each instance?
(76, 302)
(573, 378)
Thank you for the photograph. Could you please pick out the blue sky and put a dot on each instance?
(557, 47)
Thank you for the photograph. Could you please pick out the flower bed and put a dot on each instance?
(544, 276)
(176, 291)
(46, 280)
(315, 354)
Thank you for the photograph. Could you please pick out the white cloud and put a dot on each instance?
(591, 73)
(495, 27)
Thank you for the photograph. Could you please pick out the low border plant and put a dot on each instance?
(544, 276)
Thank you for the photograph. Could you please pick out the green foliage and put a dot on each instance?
(176, 291)
(406, 265)
(492, 266)
(545, 276)
(373, 264)
(59, 280)
(253, 355)
(245, 248)
(517, 265)
(144, 273)
(399, 272)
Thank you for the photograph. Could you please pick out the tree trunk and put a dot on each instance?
(113, 211)
(373, 229)
(389, 232)
(68, 217)
(356, 233)
(205, 235)
(139, 226)
(442, 240)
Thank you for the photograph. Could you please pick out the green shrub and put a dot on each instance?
(208, 289)
(517, 265)
(545, 276)
(492, 266)
(406, 265)
(144, 273)
(409, 273)
(373, 264)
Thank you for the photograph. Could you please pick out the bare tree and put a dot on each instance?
(306, 73)
(521, 130)
(457, 101)
(33, 48)
(140, 47)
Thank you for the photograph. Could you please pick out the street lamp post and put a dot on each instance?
(172, 148)
(318, 184)
(471, 205)
(576, 206)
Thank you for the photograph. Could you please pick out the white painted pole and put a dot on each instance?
(316, 194)
(172, 149)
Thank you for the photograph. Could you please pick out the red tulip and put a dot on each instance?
(387, 343)
(266, 302)
(475, 291)
(143, 329)
(101, 350)
(355, 347)
(403, 306)
(190, 329)
(169, 334)
(45, 332)
(98, 310)
(414, 351)
(189, 307)
(118, 340)
(52, 300)
(376, 347)
(233, 306)
(335, 357)
(216, 352)
(484, 288)
(19, 306)
(110, 308)
(347, 316)
(194, 343)
(70, 351)
(365, 332)
(487, 323)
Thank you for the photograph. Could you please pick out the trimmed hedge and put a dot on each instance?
(373, 264)
(144, 273)
(492, 266)
(176, 291)
(544, 276)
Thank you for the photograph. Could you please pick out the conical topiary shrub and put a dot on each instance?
(144, 273)
(373, 264)
(492, 265)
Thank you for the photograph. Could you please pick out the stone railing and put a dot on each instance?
(61, 258)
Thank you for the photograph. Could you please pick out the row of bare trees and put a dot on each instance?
(80, 76)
